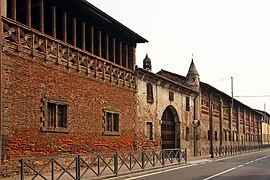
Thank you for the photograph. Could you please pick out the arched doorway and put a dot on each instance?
(170, 129)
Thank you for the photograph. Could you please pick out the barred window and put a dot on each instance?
(55, 116)
(187, 133)
(187, 103)
(51, 115)
(62, 115)
(150, 97)
(111, 123)
(149, 130)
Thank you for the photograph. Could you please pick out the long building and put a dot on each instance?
(224, 121)
(70, 85)
(169, 104)
(68, 79)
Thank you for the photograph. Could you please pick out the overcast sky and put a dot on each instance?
(229, 38)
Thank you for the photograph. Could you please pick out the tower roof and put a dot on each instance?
(147, 63)
(192, 69)
(147, 59)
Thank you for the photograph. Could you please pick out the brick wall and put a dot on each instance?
(28, 80)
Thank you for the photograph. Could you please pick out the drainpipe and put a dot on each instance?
(1, 90)
(211, 123)
(156, 116)
(220, 122)
(195, 117)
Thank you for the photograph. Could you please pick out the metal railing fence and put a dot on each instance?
(87, 166)
(229, 150)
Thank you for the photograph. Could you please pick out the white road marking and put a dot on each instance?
(241, 165)
(168, 170)
(223, 172)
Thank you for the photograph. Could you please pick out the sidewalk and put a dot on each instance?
(199, 159)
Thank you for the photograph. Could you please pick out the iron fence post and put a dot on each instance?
(212, 152)
(143, 160)
(22, 169)
(78, 166)
(153, 153)
(179, 155)
(98, 165)
(52, 169)
(116, 164)
(163, 158)
(185, 155)
(130, 160)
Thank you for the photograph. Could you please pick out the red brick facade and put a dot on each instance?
(30, 81)
(68, 81)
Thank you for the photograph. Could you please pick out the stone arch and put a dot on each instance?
(170, 128)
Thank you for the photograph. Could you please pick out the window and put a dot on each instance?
(187, 103)
(171, 96)
(225, 135)
(55, 116)
(111, 123)
(150, 97)
(187, 134)
(51, 115)
(149, 131)
(209, 135)
(62, 115)
(216, 136)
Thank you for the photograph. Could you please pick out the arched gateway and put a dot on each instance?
(170, 129)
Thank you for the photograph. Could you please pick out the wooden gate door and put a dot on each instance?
(168, 129)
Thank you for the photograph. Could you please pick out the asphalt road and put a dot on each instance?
(252, 166)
